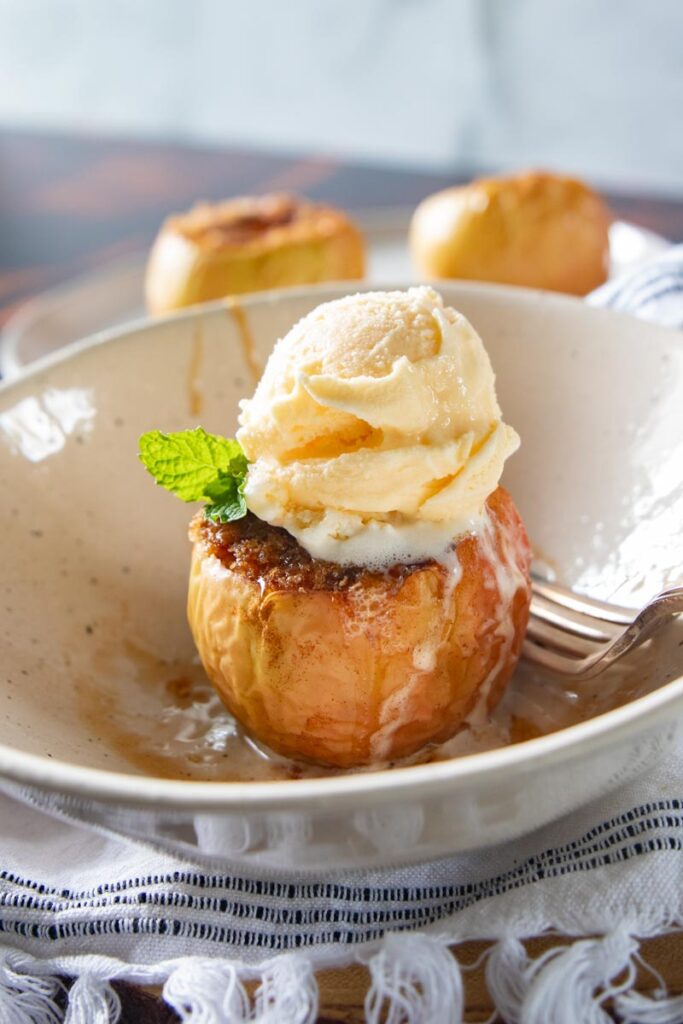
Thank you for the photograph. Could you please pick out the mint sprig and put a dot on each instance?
(227, 502)
(196, 466)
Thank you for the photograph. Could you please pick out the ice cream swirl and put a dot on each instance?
(375, 435)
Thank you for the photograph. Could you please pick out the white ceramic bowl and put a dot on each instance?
(94, 563)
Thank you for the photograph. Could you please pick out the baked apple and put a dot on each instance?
(345, 666)
(249, 244)
(535, 229)
(360, 581)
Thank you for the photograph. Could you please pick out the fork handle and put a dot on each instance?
(668, 602)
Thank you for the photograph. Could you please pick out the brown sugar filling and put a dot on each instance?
(238, 222)
(272, 557)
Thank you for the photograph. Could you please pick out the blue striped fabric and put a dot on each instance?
(226, 910)
(655, 292)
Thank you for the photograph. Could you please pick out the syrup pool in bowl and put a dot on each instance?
(166, 720)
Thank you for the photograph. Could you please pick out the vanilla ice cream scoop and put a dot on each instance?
(375, 435)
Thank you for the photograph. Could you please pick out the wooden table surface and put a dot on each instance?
(69, 204)
(72, 203)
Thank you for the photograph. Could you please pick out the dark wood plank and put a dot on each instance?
(70, 203)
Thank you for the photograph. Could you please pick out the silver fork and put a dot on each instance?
(579, 637)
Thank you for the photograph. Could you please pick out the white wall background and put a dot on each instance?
(594, 86)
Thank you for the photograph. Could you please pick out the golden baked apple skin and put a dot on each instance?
(344, 666)
(248, 244)
(534, 229)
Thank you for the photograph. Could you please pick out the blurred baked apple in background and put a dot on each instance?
(248, 244)
(535, 229)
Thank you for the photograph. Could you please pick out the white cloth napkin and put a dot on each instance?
(82, 899)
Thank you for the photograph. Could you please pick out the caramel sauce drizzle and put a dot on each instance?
(195, 391)
(239, 318)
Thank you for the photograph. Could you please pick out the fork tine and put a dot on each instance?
(584, 605)
(557, 614)
(543, 639)
(560, 639)
(547, 658)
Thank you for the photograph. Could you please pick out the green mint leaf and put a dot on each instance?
(230, 505)
(222, 488)
(194, 465)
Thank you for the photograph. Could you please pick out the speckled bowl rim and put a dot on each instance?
(362, 788)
